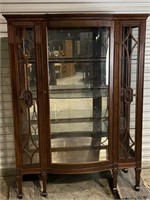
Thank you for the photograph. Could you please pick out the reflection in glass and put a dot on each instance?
(27, 95)
(78, 84)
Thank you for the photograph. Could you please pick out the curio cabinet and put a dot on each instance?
(77, 89)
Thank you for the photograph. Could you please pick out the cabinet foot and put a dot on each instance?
(137, 188)
(115, 191)
(115, 173)
(44, 194)
(44, 182)
(19, 181)
(125, 170)
(19, 196)
(137, 178)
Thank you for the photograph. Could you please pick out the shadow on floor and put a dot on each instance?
(94, 186)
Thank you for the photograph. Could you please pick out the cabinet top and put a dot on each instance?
(79, 16)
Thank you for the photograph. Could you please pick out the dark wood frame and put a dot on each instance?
(40, 24)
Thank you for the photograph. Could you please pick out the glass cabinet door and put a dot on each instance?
(79, 77)
(27, 99)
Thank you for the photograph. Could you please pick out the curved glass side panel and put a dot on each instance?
(78, 94)
(129, 66)
(28, 106)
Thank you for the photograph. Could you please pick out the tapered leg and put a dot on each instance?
(19, 181)
(44, 182)
(137, 178)
(115, 173)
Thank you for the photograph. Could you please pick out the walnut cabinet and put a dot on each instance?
(77, 89)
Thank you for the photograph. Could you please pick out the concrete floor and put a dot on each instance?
(126, 183)
(95, 186)
(146, 177)
(61, 187)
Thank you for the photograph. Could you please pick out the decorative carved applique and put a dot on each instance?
(128, 95)
(27, 97)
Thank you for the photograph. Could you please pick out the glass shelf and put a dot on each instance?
(81, 59)
(64, 92)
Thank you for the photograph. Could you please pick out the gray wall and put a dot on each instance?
(7, 153)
